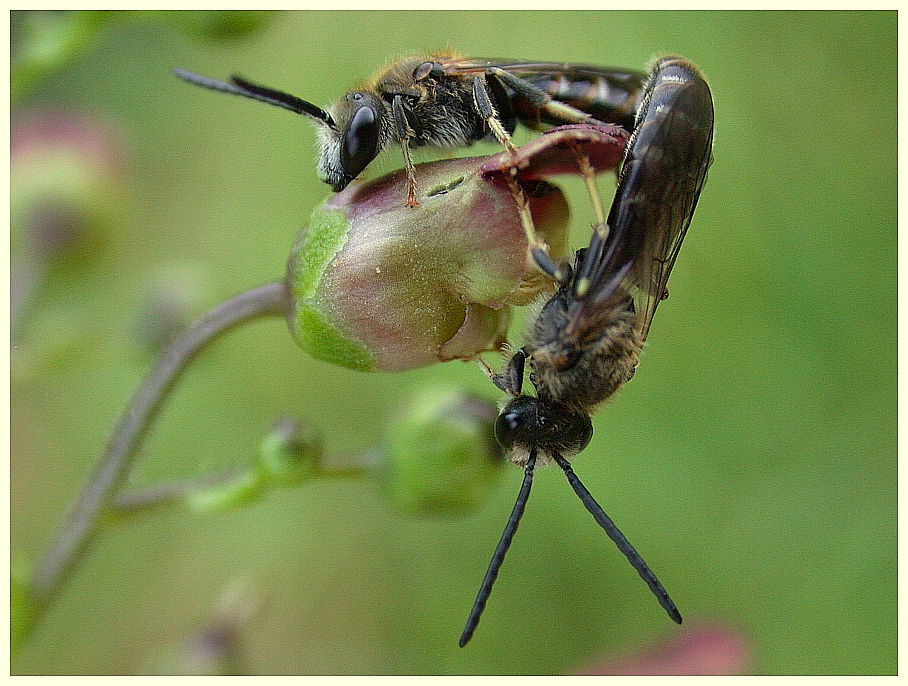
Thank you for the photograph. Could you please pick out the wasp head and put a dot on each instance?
(527, 422)
(361, 129)
(351, 135)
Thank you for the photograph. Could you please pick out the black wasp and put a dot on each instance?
(586, 341)
(449, 101)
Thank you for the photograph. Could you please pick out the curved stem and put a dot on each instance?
(83, 520)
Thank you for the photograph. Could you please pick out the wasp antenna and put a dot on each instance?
(252, 91)
(623, 544)
(285, 100)
(507, 535)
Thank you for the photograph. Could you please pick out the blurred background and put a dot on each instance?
(751, 461)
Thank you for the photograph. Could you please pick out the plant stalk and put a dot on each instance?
(83, 521)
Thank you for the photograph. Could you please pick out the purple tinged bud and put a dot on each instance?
(66, 186)
(377, 285)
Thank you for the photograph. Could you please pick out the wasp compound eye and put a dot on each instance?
(517, 422)
(360, 144)
(506, 428)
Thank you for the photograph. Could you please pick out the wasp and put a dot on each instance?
(448, 101)
(585, 342)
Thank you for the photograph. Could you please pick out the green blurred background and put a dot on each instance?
(752, 459)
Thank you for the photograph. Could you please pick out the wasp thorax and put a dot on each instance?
(527, 422)
(378, 285)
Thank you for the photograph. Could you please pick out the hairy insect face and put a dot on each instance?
(528, 422)
(362, 130)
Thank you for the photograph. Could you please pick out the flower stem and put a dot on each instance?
(84, 519)
(127, 502)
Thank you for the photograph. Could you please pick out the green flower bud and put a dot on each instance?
(65, 186)
(440, 454)
(169, 303)
(217, 646)
(290, 454)
(377, 285)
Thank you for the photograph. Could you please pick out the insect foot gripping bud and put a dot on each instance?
(377, 285)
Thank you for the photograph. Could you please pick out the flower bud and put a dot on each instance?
(440, 454)
(216, 647)
(66, 186)
(378, 285)
(167, 307)
(290, 454)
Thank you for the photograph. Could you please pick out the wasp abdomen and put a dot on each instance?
(611, 97)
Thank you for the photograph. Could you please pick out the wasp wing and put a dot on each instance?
(608, 94)
(663, 173)
(472, 65)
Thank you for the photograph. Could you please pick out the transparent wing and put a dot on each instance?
(664, 171)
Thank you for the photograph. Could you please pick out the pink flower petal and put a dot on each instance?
(707, 650)
(555, 152)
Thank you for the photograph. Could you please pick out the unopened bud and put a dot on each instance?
(65, 185)
(378, 285)
(290, 453)
(440, 454)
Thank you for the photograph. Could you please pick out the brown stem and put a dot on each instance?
(82, 523)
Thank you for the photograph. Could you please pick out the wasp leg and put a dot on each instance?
(541, 99)
(600, 230)
(538, 248)
(511, 379)
(404, 133)
(487, 110)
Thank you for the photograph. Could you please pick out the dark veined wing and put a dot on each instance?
(664, 171)
(609, 94)
(472, 65)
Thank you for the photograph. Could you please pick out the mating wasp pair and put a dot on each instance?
(586, 340)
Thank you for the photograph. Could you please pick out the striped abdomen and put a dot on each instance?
(610, 95)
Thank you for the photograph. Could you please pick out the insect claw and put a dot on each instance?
(486, 369)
